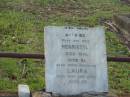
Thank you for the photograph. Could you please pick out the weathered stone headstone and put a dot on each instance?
(75, 60)
(122, 23)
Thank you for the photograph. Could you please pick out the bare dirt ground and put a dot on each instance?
(125, 95)
(126, 1)
(5, 94)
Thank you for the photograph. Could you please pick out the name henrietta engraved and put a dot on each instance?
(68, 46)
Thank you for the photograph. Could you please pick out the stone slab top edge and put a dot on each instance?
(73, 27)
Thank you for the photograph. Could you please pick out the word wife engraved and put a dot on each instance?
(75, 60)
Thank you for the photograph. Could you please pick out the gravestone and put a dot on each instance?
(122, 24)
(75, 60)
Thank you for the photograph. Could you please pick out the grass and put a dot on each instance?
(119, 73)
(12, 74)
(119, 80)
(21, 30)
(48, 2)
(114, 46)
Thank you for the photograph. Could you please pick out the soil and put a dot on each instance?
(126, 1)
(5, 94)
(125, 95)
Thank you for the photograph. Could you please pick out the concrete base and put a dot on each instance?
(45, 94)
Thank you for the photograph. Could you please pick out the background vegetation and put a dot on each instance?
(21, 30)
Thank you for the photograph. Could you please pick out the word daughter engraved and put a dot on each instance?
(75, 60)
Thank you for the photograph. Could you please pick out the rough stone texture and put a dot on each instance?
(126, 1)
(122, 22)
(75, 60)
(23, 91)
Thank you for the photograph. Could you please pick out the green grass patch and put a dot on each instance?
(48, 2)
(20, 32)
(114, 46)
(13, 72)
(119, 77)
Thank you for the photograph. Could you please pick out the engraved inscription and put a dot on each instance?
(75, 60)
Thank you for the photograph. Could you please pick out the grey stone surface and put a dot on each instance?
(122, 21)
(23, 91)
(75, 60)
